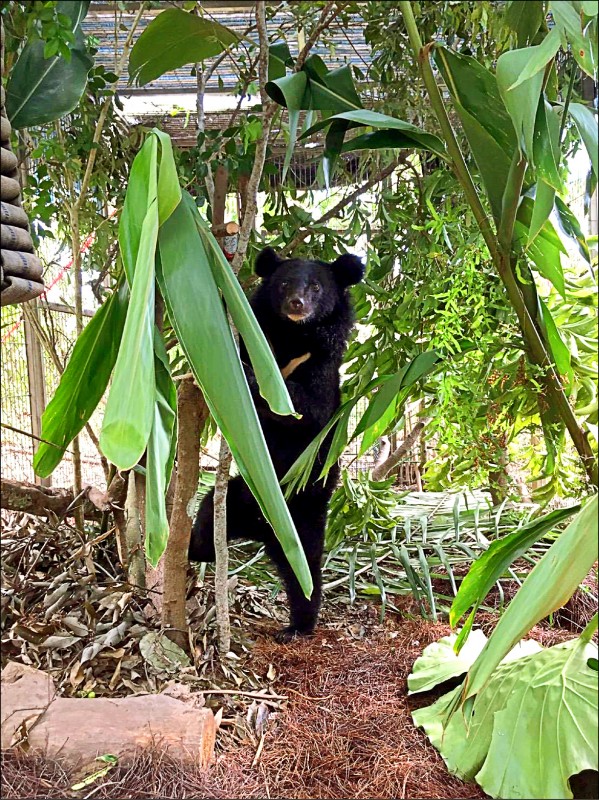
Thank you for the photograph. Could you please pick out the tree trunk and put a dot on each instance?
(382, 470)
(221, 576)
(192, 413)
(134, 531)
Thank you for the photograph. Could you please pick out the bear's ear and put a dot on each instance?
(348, 270)
(266, 262)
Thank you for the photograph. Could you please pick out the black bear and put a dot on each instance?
(305, 311)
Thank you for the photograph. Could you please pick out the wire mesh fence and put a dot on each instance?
(18, 444)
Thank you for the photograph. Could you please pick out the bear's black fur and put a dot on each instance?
(304, 308)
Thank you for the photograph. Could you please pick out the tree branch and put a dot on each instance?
(382, 470)
(324, 21)
(333, 212)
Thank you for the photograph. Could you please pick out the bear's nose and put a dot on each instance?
(296, 303)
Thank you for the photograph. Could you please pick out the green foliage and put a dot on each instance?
(175, 38)
(83, 382)
(49, 77)
(531, 728)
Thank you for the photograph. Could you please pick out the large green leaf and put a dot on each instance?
(441, 661)
(559, 350)
(570, 227)
(532, 727)
(521, 100)
(290, 91)
(569, 24)
(548, 587)
(493, 564)
(40, 89)
(272, 386)
(160, 454)
(525, 17)
(196, 312)
(375, 120)
(83, 382)
(545, 256)
(129, 412)
(485, 120)
(546, 145)
(175, 38)
(539, 57)
(279, 58)
(586, 122)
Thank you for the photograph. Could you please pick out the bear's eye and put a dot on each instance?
(284, 284)
(315, 287)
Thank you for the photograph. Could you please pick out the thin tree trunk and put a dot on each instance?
(382, 470)
(192, 413)
(136, 561)
(221, 576)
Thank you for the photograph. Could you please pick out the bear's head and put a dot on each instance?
(306, 291)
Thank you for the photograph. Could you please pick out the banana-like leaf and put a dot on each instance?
(520, 100)
(525, 17)
(545, 256)
(129, 412)
(40, 89)
(530, 729)
(175, 38)
(196, 312)
(160, 456)
(548, 587)
(485, 120)
(586, 122)
(543, 206)
(83, 382)
(420, 366)
(546, 145)
(493, 564)
(272, 386)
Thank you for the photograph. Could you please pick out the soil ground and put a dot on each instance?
(336, 721)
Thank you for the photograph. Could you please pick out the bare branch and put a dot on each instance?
(333, 212)
(328, 14)
(382, 470)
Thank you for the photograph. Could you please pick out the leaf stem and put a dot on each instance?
(567, 104)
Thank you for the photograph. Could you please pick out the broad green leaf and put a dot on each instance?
(336, 93)
(539, 57)
(492, 565)
(546, 145)
(160, 454)
(570, 227)
(586, 122)
(547, 730)
(552, 582)
(386, 139)
(279, 58)
(530, 729)
(559, 350)
(523, 100)
(477, 92)
(375, 120)
(129, 412)
(440, 662)
(293, 123)
(84, 381)
(590, 7)
(290, 91)
(175, 38)
(421, 365)
(196, 312)
(389, 417)
(525, 17)
(569, 25)
(272, 386)
(40, 90)
(547, 232)
(544, 255)
(543, 206)
(484, 118)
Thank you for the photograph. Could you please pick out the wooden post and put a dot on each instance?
(37, 382)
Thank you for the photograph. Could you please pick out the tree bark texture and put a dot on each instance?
(192, 413)
(382, 470)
